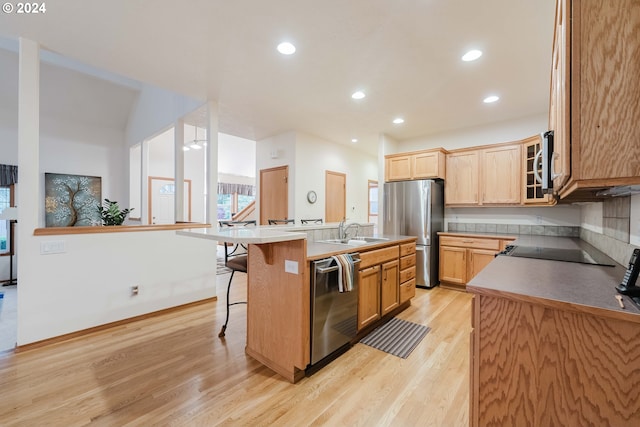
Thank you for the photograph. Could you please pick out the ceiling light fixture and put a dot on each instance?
(354, 140)
(472, 55)
(286, 48)
(358, 95)
(398, 121)
(490, 99)
(196, 143)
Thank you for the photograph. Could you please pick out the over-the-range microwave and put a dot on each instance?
(545, 157)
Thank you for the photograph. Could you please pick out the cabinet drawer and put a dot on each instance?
(378, 256)
(470, 242)
(407, 290)
(407, 261)
(407, 249)
(407, 274)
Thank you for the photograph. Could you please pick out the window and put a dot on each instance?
(373, 202)
(233, 198)
(6, 200)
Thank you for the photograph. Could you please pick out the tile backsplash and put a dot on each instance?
(539, 230)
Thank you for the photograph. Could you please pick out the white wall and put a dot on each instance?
(513, 130)
(89, 284)
(279, 150)
(156, 109)
(236, 157)
(308, 158)
(315, 156)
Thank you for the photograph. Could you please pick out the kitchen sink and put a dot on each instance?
(355, 241)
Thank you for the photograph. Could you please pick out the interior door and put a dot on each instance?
(274, 194)
(336, 196)
(162, 200)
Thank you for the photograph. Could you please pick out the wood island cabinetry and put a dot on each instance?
(548, 364)
(407, 271)
(387, 281)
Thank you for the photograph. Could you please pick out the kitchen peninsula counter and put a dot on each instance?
(278, 289)
(550, 344)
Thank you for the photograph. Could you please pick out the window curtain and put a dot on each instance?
(241, 189)
(8, 175)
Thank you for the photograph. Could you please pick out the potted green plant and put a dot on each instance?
(111, 213)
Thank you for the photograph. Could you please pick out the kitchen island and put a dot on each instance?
(551, 345)
(278, 288)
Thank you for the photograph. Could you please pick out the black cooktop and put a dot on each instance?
(554, 254)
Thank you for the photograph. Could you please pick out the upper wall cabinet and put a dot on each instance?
(489, 175)
(501, 172)
(531, 188)
(595, 96)
(425, 164)
(462, 182)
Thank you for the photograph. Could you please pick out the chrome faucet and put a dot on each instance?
(342, 230)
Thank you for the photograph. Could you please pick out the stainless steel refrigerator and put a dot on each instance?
(416, 208)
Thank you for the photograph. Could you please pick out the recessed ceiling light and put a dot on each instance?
(472, 55)
(286, 48)
(398, 120)
(354, 140)
(358, 95)
(490, 99)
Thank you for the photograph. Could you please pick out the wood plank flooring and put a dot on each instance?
(174, 370)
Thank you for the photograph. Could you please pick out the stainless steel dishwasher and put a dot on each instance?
(334, 314)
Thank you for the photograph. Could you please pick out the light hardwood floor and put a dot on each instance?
(174, 370)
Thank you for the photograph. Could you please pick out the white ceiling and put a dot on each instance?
(405, 54)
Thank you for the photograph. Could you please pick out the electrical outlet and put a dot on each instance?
(52, 247)
(135, 290)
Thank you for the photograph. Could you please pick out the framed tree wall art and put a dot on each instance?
(72, 200)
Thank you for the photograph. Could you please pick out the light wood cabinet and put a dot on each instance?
(424, 164)
(560, 364)
(453, 265)
(488, 175)
(387, 280)
(462, 181)
(389, 287)
(378, 292)
(407, 271)
(531, 189)
(462, 257)
(500, 175)
(594, 110)
(368, 296)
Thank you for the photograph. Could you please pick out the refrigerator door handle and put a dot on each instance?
(427, 218)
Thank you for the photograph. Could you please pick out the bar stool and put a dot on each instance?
(235, 259)
(311, 221)
(281, 221)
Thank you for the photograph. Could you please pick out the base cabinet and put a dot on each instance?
(379, 275)
(461, 258)
(389, 289)
(538, 365)
(369, 296)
